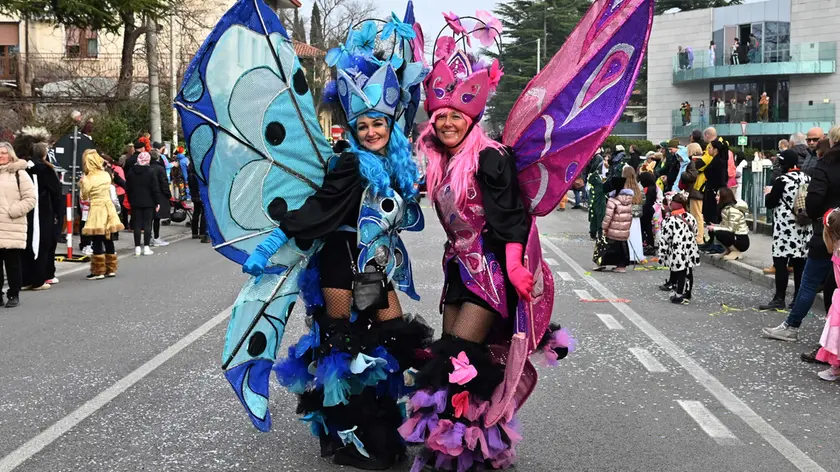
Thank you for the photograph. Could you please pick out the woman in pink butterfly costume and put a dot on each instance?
(498, 294)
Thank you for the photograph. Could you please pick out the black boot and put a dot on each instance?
(775, 304)
(349, 455)
(667, 286)
(13, 302)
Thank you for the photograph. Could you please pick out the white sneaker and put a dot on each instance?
(831, 374)
(87, 251)
(783, 332)
(138, 250)
(52, 281)
(161, 242)
(42, 287)
(147, 251)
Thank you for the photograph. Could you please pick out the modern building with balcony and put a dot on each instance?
(786, 49)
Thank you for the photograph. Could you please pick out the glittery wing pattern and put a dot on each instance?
(572, 105)
(252, 131)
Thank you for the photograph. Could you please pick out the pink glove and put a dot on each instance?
(520, 277)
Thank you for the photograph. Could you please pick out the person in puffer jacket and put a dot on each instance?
(732, 231)
(616, 226)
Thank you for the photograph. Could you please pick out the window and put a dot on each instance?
(81, 43)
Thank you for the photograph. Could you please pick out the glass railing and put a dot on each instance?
(792, 59)
(630, 129)
(788, 119)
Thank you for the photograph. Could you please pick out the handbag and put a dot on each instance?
(370, 290)
(578, 183)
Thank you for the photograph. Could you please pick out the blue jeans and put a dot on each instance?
(813, 276)
(580, 196)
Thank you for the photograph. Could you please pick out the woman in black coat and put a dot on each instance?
(144, 195)
(159, 168)
(39, 272)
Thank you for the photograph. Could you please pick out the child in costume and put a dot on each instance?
(678, 249)
(830, 339)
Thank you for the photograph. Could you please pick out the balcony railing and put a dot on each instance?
(798, 59)
(795, 117)
(635, 129)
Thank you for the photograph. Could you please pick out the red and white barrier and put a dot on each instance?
(69, 226)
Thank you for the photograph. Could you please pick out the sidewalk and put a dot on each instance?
(170, 233)
(756, 258)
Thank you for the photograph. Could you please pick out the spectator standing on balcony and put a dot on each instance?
(682, 57)
(687, 114)
(753, 54)
(822, 196)
(713, 110)
(712, 53)
(730, 110)
(733, 58)
(763, 108)
(721, 111)
(702, 109)
(790, 240)
(749, 109)
(740, 111)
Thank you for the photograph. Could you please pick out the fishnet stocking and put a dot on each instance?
(471, 323)
(338, 303)
(450, 314)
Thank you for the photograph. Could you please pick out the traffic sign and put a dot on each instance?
(742, 140)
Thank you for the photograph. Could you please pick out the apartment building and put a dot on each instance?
(786, 49)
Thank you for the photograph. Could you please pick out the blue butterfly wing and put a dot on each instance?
(250, 125)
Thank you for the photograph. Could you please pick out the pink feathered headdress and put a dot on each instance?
(458, 80)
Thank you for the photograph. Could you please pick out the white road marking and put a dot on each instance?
(611, 322)
(565, 276)
(583, 294)
(550, 261)
(709, 423)
(793, 454)
(86, 266)
(62, 426)
(645, 358)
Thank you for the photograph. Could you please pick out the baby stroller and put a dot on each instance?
(181, 212)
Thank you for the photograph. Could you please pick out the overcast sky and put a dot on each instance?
(428, 12)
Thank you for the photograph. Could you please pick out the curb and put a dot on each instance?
(741, 269)
(747, 271)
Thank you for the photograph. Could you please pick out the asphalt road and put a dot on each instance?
(123, 374)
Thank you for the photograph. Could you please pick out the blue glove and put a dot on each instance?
(255, 265)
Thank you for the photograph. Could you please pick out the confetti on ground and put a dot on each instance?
(606, 300)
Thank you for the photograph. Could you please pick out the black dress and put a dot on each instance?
(506, 222)
(50, 214)
(333, 206)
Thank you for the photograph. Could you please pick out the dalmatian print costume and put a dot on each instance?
(790, 239)
(678, 249)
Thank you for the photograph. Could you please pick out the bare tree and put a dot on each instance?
(338, 15)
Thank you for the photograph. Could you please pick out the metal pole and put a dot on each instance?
(72, 212)
(172, 76)
(538, 55)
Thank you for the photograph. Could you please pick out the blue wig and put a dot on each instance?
(397, 163)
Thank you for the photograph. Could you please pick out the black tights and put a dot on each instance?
(468, 321)
(683, 281)
(781, 265)
(99, 242)
(157, 227)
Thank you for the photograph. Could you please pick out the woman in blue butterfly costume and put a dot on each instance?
(348, 371)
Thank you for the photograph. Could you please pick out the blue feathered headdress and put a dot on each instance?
(369, 78)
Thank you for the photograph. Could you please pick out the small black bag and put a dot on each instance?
(370, 289)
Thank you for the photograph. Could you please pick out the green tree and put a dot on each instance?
(524, 22)
(316, 28)
(298, 30)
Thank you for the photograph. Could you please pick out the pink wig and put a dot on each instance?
(463, 165)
